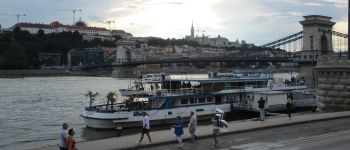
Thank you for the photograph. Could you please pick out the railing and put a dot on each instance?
(181, 91)
(244, 87)
(200, 59)
(305, 103)
(102, 108)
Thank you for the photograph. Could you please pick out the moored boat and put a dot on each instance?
(172, 97)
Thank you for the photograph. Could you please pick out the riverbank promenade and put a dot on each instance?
(166, 136)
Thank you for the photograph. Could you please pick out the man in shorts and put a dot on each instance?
(145, 128)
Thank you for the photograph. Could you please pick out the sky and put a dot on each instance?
(256, 21)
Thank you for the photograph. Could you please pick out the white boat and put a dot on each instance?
(178, 97)
(145, 84)
(149, 78)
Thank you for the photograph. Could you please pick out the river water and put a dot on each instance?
(33, 109)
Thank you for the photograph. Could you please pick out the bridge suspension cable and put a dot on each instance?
(282, 40)
(343, 35)
(338, 45)
(286, 42)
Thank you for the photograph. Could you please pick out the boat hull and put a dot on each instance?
(125, 119)
(96, 123)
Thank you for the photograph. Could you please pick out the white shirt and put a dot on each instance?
(146, 122)
(63, 135)
(193, 122)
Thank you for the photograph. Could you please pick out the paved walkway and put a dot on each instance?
(166, 136)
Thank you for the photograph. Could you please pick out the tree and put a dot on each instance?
(41, 33)
(13, 56)
(20, 49)
(91, 96)
(111, 98)
(81, 24)
(117, 37)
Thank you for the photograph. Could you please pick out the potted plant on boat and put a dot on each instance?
(91, 96)
(111, 98)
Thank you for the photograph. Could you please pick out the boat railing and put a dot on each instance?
(103, 108)
(304, 103)
(181, 91)
(244, 106)
(244, 87)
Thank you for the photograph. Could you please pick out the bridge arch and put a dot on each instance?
(324, 45)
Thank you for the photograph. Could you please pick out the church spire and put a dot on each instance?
(192, 30)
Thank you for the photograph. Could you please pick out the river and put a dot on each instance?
(33, 109)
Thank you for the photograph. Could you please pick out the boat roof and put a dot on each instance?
(253, 71)
(147, 82)
(218, 80)
(271, 92)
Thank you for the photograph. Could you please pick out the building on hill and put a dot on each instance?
(121, 33)
(216, 41)
(88, 32)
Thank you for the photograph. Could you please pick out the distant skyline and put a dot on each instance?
(256, 21)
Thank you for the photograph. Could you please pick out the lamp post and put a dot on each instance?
(312, 48)
(313, 56)
(348, 29)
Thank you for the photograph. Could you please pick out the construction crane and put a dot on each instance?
(109, 24)
(16, 15)
(73, 10)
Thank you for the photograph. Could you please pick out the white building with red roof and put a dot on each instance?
(57, 27)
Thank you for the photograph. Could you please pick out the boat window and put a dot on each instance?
(201, 100)
(138, 113)
(184, 101)
(209, 99)
(170, 113)
(198, 110)
(192, 100)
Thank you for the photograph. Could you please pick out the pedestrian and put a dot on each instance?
(179, 130)
(71, 140)
(64, 137)
(145, 128)
(261, 103)
(289, 108)
(192, 126)
(216, 128)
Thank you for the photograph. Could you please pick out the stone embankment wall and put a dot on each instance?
(31, 73)
(41, 73)
(333, 82)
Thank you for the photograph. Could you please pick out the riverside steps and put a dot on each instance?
(166, 136)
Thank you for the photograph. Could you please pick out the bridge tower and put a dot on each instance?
(332, 78)
(317, 35)
(124, 54)
(317, 40)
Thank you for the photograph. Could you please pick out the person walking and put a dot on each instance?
(64, 137)
(192, 126)
(289, 108)
(216, 128)
(145, 128)
(71, 140)
(261, 103)
(179, 130)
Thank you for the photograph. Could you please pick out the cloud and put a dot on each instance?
(313, 4)
(257, 21)
(342, 25)
(337, 3)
